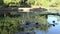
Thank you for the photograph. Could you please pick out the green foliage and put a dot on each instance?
(33, 2)
(55, 3)
(43, 3)
(12, 2)
(1, 2)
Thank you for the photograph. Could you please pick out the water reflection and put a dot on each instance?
(26, 32)
(52, 19)
(52, 30)
(43, 26)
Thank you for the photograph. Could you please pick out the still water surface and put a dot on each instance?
(46, 29)
(51, 30)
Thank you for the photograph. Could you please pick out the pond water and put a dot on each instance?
(47, 25)
(29, 23)
(49, 29)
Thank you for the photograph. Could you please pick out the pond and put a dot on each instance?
(29, 23)
(51, 30)
(48, 28)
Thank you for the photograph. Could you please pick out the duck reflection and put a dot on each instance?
(32, 26)
(29, 27)
(52, 20)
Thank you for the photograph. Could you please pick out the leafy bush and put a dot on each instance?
(12, 2)
(55, 3)
(43, 3)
